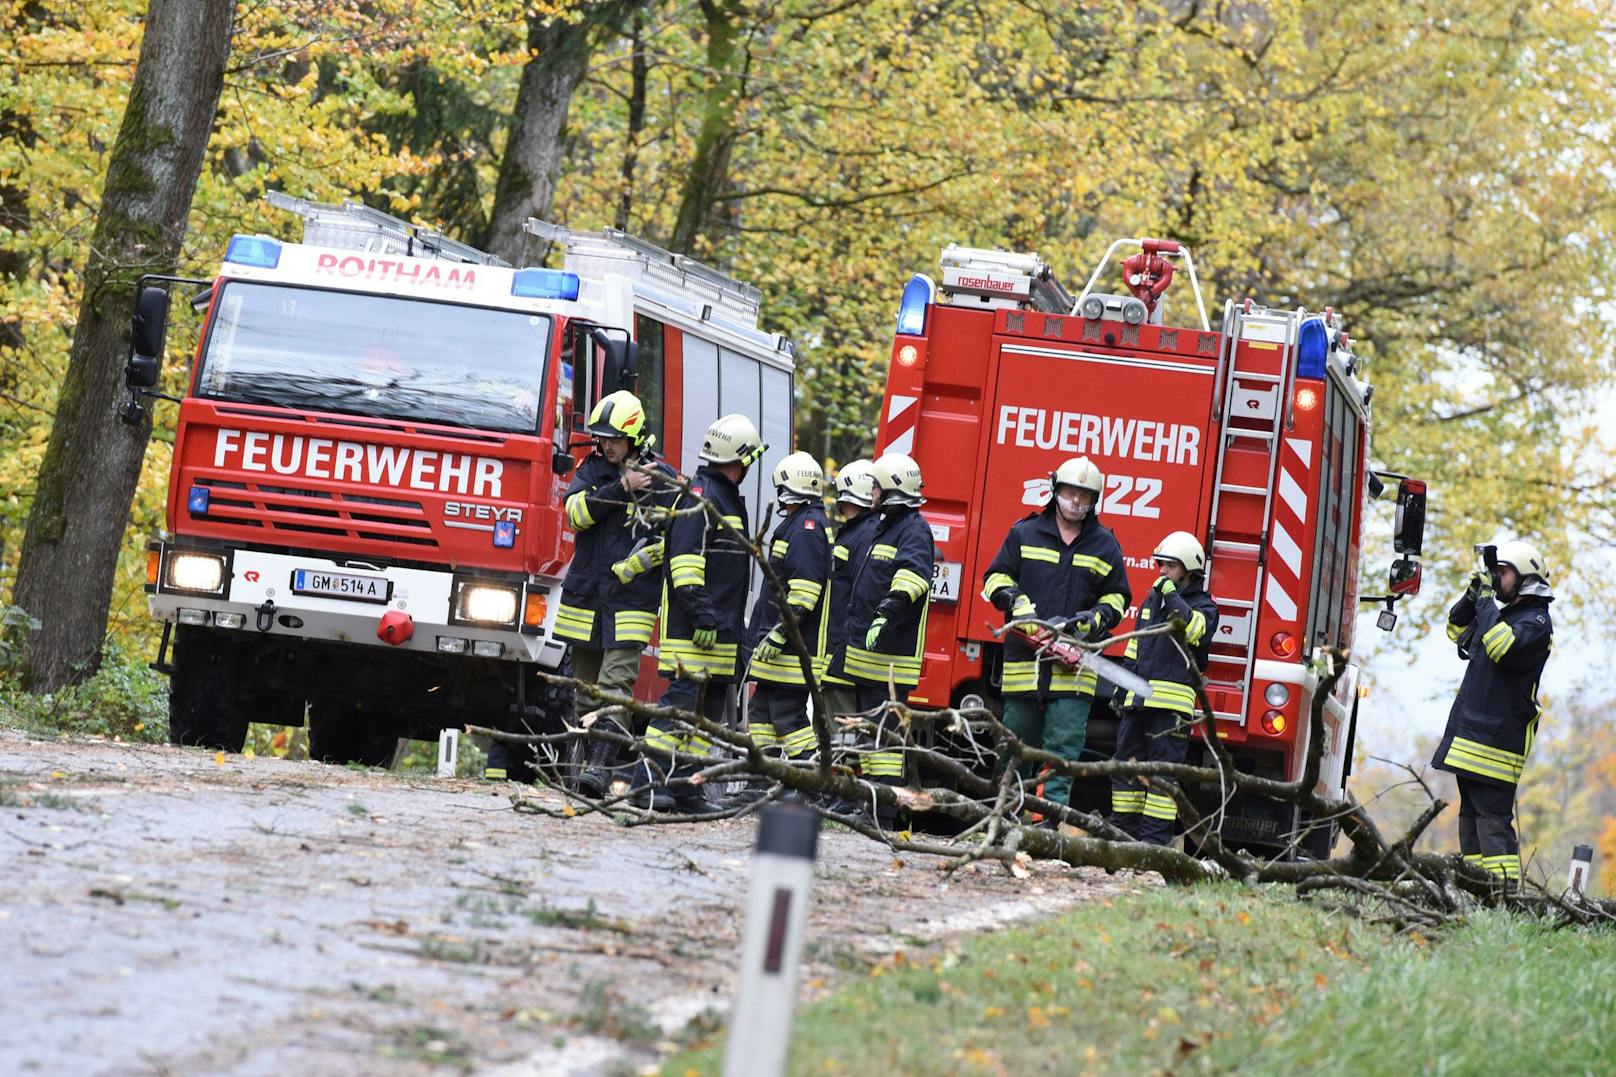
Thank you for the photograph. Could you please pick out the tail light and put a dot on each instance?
(1273, 723)
(1283, 644)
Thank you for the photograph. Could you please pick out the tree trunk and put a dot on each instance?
(558, 60)
(709, 167)
(92, 463)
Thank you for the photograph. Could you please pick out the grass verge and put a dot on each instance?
(1214, 980)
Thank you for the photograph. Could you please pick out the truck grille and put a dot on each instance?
(290, 510)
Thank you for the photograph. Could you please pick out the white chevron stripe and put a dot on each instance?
(1279, 601)
(900, 404)
(904, 442)
(1292, 495)
(1288, 551)
(1301, 448)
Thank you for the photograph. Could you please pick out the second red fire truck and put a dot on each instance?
(1253, 436)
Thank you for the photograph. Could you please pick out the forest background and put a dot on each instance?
(1440, 174)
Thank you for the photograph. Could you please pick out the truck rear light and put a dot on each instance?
(253, 251)
(918, 294)
(192, 617)
(451, 645)
(229, 620)
(197, 500)
(534, 610)
(1284, 644)
(1307, 398)
(1273, 723)
(487, 648)
(486, 603)
(908, 355)
(202, 573)
(154, 561)
(1277, 694)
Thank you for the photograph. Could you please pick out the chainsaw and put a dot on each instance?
(1072, 656)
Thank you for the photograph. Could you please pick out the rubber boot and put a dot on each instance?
(595, 780)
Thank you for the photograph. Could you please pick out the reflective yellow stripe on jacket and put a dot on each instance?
(633, 626)
(1483, 759)
(574, 623)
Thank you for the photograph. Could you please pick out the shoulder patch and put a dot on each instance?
(697, 490)
(808, 525)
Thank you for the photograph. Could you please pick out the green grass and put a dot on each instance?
(1215, 980)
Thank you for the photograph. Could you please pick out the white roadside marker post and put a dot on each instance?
(448, 752)
(771, 949)
(1582, 858)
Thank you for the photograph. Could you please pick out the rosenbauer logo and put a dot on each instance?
(396, 271)
(359, 462)
(990, 284)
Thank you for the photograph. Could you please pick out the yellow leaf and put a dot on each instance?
(1036, 1018)
(992, 1012)
(569, 811)
(218, 759)
(248, 753)
(1243, 916)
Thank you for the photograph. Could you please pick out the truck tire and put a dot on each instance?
(346, 733)
(206, 705)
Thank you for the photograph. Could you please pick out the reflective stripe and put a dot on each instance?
(873, 666)
(633, 626)
(994, 582)
(1040, 553)
(1505, 865)
(1114, 600)
(736, 522)
(494, 773)
(840, 553)
(1473, 858)
(1097, 565)
(578, 514)
(1020, 676)
(664, 740)
(805, 593)
(574, 623)
(1160, 806)
(800, 741)
(1455, 631)
(682, 653)
(1127, 801)
(688, 570)
(883, 552)
(909, 582)
(1167, 696)
(1498, 640)
(762, 734)
(778, 547)
(883, 764)
(1195, 629)
(1132, 650)
(1483, 759)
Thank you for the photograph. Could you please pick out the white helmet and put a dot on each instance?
(897, 476)
(1080, 472)
(798, 479)
(1523, 558)
(1183, 547)
(732, 439)
(855, 483)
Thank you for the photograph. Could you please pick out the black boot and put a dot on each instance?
(595, 779)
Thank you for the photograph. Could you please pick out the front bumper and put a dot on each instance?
(258, 588)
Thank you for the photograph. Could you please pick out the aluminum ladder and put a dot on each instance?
(356, 227)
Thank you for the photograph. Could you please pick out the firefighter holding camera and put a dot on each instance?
(1502, 627)
(1157, 729)
(1060, 566)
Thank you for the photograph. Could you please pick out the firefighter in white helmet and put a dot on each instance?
(888, 600)
(706, 572)
(1156, 729)
(1502, 627)
(855, 499)
(799, 556)
(1062, 566)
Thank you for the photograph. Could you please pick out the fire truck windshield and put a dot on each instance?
(376, 355)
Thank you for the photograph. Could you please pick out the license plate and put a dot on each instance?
(306, 581)
(945, 581)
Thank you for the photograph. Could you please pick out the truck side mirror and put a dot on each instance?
(1405, 576)
(620, 361)
(561, 462)
(146, 339)
(1408, 533)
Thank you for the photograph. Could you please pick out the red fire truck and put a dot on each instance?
(1253, 436)
(364, 510)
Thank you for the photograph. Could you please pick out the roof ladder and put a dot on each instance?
(356, 227)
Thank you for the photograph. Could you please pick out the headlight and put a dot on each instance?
(196, 572)
(486, 604)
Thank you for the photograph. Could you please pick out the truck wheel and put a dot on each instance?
(206, 707)
(348, 734)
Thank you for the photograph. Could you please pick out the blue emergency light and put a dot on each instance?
(544, 284)
(504, 534)
(253, 251)
(918, 294)
(197, 500)
(1312, 348)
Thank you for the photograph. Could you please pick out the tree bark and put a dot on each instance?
(558, 59)
(715, 141)
(92, 463)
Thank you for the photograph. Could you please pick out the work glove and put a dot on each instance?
(1083, 625)
(1165, 585)
(769, 647)
(705, 639)
(1477, 582)
(630, 567)
(872, 638)
(1023, 608)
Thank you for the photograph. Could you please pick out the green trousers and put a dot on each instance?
(1057, 724)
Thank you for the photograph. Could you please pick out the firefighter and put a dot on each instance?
(1157, 729)
(799, 557)
(1494, 718)
(610, 507)
(888, 600)
(706, 573)
(855, 497)
(1062, 566)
